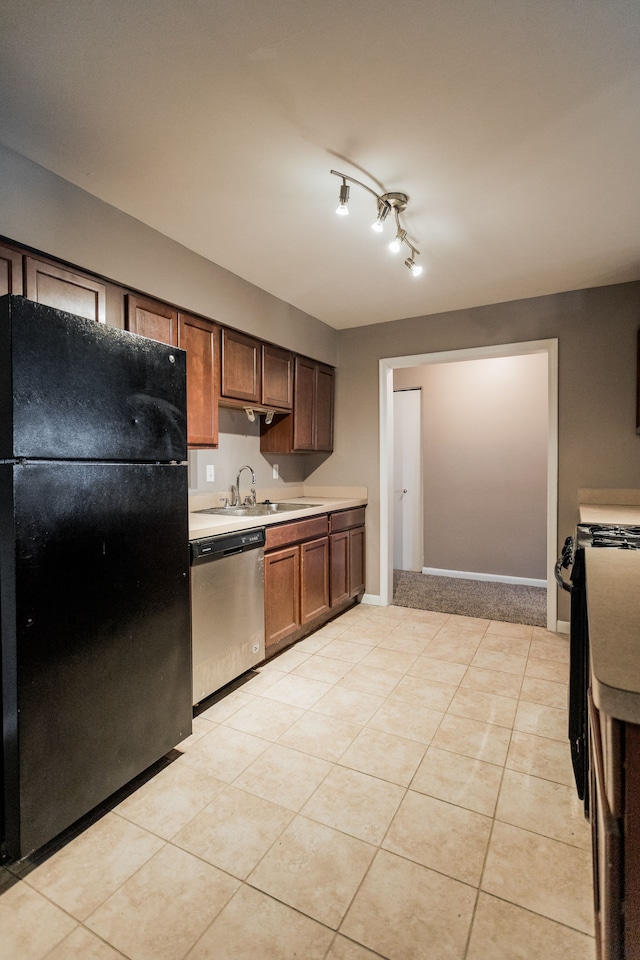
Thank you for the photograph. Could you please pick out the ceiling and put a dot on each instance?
(513, 126)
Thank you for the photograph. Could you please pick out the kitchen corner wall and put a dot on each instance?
(597, 334)
(41, 210)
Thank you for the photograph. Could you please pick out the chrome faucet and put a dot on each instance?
(235, 491)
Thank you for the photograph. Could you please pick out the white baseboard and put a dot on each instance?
(562, 626)
(493, 577)
(372, 598)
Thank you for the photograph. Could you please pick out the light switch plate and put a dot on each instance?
(211, 472)
(276, 472)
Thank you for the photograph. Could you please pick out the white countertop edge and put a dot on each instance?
(616, 513)
(622, 704)
(614, 631)
(209, 525)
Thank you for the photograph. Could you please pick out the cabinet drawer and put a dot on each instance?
(280, 534)
(345, 519)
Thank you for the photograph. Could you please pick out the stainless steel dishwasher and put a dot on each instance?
(227, 608)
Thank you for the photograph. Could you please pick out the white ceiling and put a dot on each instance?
(513, 125)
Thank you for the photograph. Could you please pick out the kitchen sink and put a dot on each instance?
(256, 509)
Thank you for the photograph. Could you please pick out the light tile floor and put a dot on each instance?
(397, 785)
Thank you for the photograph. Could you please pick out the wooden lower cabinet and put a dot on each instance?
(347, 552)
(311, 575)
(281, 594)
(357, 548)
(614, 749)
(314, 580)
(339, 567)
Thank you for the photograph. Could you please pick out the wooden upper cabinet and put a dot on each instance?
(199, 337)
(241, 363)
(152, 319)
(324, 408)
(310, 427)
(277, 377)
(10, 271)
(253, 372)
(304, 405)
(65, 290)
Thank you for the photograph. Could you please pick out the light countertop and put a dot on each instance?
(615, 513)
(208, 524)
(616, 506)
(613, 603)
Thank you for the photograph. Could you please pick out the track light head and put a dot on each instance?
(343, 210)
(383, 212)
(398, 240)
(415, 268)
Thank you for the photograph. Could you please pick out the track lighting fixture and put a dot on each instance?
(385, 203)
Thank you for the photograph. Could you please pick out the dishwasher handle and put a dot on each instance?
(231, 552)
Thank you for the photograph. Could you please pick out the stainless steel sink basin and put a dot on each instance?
(256, 510)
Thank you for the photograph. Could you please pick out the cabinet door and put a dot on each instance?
(65, 290)
(304, 405)
(324, 409)
(198, 338)
(607, 851)
(277, 377)
(152, 319)
(10, 271)
(281, 594)
(241, 366)
(314, 578)
(339, 589)
(357, 555)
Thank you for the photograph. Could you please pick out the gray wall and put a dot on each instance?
(40, 210)
(598, 446)
(484, 449)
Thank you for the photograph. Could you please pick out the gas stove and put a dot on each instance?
(616, 536)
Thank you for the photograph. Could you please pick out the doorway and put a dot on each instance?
(387, 367)
(408, 553)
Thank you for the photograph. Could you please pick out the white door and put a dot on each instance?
(408, 551)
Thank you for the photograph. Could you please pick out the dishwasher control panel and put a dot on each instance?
(225, 545)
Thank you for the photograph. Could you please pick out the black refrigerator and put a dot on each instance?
(94, 565)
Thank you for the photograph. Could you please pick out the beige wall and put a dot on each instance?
(484, 449)
(598, 446)
(239, 443)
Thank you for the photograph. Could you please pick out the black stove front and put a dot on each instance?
(588, 536)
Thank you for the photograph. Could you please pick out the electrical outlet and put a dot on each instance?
(211, 472)
(276, 472)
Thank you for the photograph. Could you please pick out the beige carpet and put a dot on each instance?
(513, 603)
